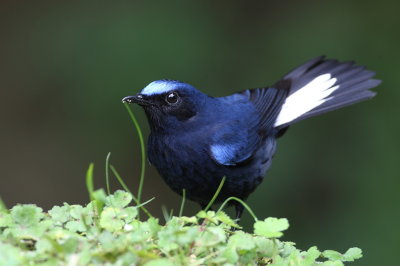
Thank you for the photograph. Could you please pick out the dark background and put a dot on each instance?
(65, 65)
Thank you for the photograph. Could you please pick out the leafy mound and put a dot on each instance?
(108, 231)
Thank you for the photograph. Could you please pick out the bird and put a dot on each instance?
(196, 140)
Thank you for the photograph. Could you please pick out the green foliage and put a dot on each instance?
(271, 227)
(108, 231)
(82, 235)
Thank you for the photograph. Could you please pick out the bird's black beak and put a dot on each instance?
(138, 98)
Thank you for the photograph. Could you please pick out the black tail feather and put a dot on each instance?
(352, 85)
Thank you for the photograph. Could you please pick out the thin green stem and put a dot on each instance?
(144, 203)
(107, 173)
(125, 187)
(241, 202)
(89, 181)
(183, 202)
(165, 213)
(121, 181)
(216, 194)
(3, 206)
(142, 149)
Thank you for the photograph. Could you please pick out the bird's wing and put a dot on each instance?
(253, 113)
(268, 102)
(233, 143)
(317, 86)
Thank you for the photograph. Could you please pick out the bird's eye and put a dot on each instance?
(172, 98)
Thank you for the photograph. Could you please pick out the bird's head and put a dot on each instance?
(168, 103)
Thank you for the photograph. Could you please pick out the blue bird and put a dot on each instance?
(197, 139)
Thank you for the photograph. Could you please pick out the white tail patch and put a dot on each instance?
(305, 99)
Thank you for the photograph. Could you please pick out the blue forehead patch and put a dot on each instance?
(159, 87)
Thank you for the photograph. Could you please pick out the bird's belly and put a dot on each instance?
(184, 167)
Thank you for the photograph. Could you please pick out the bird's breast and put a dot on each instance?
(184, 164)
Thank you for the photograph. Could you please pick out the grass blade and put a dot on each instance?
(165, 213)
(107, 173)
(3, 206)
(183, 202)
(121, 182)
(216, 194)
(142, 149)
(144, 203)
(241, 202)
(89, 181)
(125, 187)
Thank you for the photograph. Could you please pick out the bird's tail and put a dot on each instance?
(320, 86)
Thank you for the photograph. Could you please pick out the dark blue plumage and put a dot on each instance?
(197, 139)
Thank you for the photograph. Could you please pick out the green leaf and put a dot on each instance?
(127, 259)
(188, 220)
(159, 262)
(81, 218)
(5, 219)
(99, 199)
(153, 226)
(224, 218)
(332, 255)
(60, 215)
(310, 255)
(119, 199)
(70, 245)
(110, 219)
(267, 247)
(209, 216)
(114, 219)
(76, 211)
(271, 227)
(287, 249)
(211, 237)
(241, 241)
(43, 245)
(34, 231)
(332, 263)
(352, 254)
(230, 254)
(108, 241)
(10, 255)
(128, 214)
(75, 226)
(27, 215)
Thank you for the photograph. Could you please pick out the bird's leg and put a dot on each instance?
(239, 211)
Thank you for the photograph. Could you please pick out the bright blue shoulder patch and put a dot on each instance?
(228, 154)
(223, 153)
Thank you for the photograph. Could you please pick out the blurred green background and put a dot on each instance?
(65, 65)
